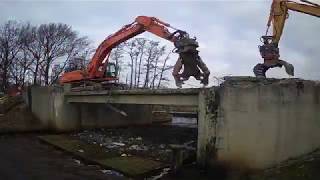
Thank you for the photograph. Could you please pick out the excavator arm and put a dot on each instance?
(279, 13)
(97, 65)
(278, 16)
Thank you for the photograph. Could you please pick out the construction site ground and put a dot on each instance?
(16, 117)
(25, 157)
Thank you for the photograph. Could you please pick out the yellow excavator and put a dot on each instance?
(269, 51)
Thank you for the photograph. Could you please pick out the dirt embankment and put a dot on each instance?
(16, 116)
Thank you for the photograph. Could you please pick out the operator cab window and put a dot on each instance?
(111, 70)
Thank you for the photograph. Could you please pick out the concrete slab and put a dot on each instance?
(131, 166)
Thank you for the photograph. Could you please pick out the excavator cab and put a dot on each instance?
(111, 70)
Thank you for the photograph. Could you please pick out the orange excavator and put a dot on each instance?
(278, 15)
(100, 70)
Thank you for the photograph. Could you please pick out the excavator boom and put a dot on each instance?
(279, 13)
(278, 16)
(97, 65)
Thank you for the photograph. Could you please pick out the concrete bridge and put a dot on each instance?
(245, 122)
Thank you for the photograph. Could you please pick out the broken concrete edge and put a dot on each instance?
(234, 80)
(105, 161)
(185, 91)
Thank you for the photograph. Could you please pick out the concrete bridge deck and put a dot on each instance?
(181, 97)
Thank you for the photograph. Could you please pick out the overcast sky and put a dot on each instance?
(228, 30)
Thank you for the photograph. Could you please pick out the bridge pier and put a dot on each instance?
(50, 105)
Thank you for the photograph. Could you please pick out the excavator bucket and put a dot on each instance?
(288, 67)
(190, 61)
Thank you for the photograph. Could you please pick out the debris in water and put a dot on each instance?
(81, 150)
(110, 172)
(138, 148)
(118, 144)
(77, 161)
(151, 142)
(164, 172)
(104, 171)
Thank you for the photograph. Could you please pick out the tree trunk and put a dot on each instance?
(146, 81)
(35, 73)
(131, 75)
(163, 69)
(139, 68)
(46, 74)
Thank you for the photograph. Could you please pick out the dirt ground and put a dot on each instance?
(23, 157)
(19, 119)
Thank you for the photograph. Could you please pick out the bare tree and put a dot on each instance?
(58, 41)
(52, 44)
(135, 50)
(20, 70)
(164, 68)
(145, 60)
(117, 55)
(151, 53)
(141, 49)
(131, 50)
(9, 49)
(158, 53)
(30, 41)
(38, 52)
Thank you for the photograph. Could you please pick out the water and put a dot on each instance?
(184, 122)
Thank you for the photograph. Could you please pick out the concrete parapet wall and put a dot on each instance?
(260, 123)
